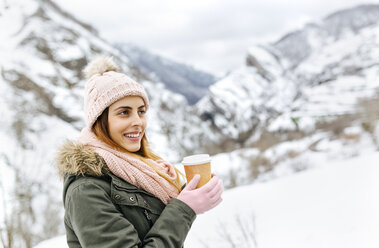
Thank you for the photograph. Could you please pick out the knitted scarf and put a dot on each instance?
(132, 169)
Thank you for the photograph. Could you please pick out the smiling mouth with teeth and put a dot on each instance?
(132, 135)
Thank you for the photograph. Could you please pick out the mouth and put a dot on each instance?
(133, 136)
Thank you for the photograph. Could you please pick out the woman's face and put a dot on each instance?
(127, 122)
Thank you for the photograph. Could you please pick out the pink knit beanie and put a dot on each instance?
(105, 86)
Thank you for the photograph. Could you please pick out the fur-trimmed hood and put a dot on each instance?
(76, 159)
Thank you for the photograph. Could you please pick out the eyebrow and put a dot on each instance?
(127, 107)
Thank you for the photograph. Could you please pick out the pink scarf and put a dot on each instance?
(134, 170)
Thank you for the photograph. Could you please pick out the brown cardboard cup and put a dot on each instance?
(198, 164)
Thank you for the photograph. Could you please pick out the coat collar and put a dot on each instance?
(76, 159)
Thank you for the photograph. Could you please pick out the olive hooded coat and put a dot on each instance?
(104, 211)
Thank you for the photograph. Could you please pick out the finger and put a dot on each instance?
(210, 185)
(216, 191)
(216, 197)
(219, 200)
(193, 183)
(216, 188)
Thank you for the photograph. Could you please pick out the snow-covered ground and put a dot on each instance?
(334, 206)
(330, 206)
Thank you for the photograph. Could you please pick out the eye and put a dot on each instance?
(142, 112)
(125, 112)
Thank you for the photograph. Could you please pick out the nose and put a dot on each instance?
(136, 121)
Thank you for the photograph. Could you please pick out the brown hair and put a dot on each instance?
(100, 128)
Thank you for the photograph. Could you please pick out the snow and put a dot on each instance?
(331, 206)
(334, 206)
(337, 97)
(6, 181)
(57, 242)
(330, 203)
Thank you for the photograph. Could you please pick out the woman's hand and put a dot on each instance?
(204, 198)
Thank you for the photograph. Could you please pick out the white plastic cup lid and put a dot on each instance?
(196, 159)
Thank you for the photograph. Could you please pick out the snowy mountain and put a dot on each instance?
(318, 79)
(312, 94)
(179, 78)
(43, 49)
(301, 44)
(43, 52)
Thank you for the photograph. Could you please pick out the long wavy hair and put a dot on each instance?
(101, 130)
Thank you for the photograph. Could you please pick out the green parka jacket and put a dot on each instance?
(104, 211)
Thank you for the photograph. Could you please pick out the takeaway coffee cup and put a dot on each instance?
(198, 164)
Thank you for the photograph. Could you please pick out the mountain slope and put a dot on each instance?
(277, 108)
(299, 45)
(43, 52)
(333, 206)
(318, 73)
(178, 78)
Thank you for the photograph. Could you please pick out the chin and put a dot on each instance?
(132, 149)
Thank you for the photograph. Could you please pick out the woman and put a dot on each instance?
(117, 192)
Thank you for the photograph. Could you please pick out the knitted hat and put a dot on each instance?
(105, 86)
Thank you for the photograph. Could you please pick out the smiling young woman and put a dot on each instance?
(117, 192)
(126, 122)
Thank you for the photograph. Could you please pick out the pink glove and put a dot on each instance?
(204, 198)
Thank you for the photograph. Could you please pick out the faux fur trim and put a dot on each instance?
(77, 159)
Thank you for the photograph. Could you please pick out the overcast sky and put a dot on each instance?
(212, 35)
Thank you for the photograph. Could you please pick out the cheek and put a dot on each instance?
(144, 124)
(114, 126)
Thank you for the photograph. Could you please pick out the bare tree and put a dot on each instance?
(31, 212)
(241, 233)
(370, 116)
(6, 227)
